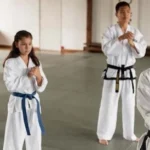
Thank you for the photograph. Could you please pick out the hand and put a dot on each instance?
(131, 43)
(129, 36)
(35, 71)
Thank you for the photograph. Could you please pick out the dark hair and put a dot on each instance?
(15, 51)
(121, 4)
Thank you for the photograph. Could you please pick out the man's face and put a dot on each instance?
(124, 14)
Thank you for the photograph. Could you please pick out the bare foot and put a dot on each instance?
(103, 142)
(137, 140)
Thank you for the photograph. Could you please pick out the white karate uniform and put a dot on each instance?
(16, 80)
(143, 103)
(119, 53)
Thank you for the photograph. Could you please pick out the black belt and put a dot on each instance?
(122, 69)
(143, 147)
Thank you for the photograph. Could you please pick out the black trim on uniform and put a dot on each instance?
(120, 78)
(143, 147)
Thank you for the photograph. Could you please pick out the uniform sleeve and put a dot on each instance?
(44, 81)
(143, 98)
(140, 45)
(12, 80)
(110, 46)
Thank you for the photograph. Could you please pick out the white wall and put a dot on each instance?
(104, 16)
(53, 23)
(144, 18)
(51, 27)
(63, 22)
(73, 24)
(16, 15)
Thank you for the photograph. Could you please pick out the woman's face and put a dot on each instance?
(24, 45)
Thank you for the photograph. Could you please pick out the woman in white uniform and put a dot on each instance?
(122, 44)
(23, 77)
(143, 105)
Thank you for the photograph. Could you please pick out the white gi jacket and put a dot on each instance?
(143, 103)
(119, 52)
(16, 80)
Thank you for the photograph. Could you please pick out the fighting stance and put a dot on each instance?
(23, 77)
(122, 44)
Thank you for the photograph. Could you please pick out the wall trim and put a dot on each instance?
(8, 47)
(148, 51)
(5, 46)
(66, 51)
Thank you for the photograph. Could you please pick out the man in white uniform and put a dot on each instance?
(122, 44)
(143, 105)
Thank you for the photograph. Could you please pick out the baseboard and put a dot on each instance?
(8, 47)
(148, 51)
(93, 47)
(65, 51)
(5, 46)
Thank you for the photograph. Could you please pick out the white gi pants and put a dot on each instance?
(15, 132)
(109, 107)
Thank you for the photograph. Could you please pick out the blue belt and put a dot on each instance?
(23, 103)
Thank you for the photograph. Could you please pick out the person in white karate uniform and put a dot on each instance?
(122, 44)
(143, 105)
(24, 77)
